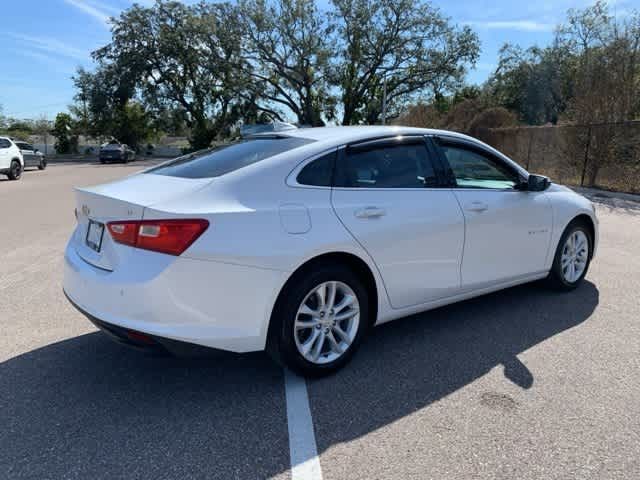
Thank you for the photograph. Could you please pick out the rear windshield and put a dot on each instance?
(228, 158)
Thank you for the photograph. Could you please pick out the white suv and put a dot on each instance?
(11, 162)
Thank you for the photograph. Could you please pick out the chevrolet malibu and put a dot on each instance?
(298, 242)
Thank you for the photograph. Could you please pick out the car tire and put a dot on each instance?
(572, 257)
(15, 170)
(340, 336)
(42, 165)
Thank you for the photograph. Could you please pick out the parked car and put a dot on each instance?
(32, 156)
(298, 242)
(115, 151)
(11, 161)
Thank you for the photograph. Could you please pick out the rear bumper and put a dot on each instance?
(143, 342)
(212, 304)
(111, 156)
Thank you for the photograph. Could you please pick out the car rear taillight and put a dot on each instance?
(166, 236)
(124, 232)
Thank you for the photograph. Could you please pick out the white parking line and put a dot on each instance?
(305, 464)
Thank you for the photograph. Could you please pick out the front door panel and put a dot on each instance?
(507, 235)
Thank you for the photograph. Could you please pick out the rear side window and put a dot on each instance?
(228, 158)
(318, 172)
(4, 143)
(406, 165)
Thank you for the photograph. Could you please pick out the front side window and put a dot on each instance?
(472, 169)
(405, 165)
(24, 146)
(225, 159)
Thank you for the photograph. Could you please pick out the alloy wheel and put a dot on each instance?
(575, 254)
(327, 322)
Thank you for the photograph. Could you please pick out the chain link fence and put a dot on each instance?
(605, 155)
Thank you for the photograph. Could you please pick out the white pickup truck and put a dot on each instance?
(11, 161)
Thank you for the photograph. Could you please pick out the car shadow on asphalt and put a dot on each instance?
(407, 365)
(89, 408)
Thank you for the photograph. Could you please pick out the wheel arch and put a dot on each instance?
(354, 262)
(588, 222)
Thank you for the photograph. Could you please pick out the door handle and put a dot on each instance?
(477, 207)
(370, 212)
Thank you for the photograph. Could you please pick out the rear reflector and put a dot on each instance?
(140, 337)
(166, 236)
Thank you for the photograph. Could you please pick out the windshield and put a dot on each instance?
(225, 159)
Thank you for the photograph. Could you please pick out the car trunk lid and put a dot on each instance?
(120, 200)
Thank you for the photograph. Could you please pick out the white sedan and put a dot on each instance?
(298, 242)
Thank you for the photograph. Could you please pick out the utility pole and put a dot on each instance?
(46, 134)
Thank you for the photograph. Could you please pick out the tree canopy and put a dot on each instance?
(214, 65)
(405, 45)
(204, 69)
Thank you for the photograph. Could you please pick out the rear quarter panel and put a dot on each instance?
(247, 211)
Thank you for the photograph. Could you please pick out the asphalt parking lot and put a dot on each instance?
(520, 384)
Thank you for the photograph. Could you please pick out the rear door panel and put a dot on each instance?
(414, 235)
(417, 244)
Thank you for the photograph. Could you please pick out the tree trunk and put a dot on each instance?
(349, 110)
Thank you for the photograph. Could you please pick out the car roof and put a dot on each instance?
(327, 137)
(360, 132)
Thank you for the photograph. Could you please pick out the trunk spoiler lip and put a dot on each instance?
(197, 185)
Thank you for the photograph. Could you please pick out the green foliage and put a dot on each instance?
(22, 129)
(287, 51)
(533, 83)
(589, 74)
(19, 129)
(132, 125)
(605, 71)
(407, 45)
(207, 67)
(66, 142)
(203, 69)
(179, 57)
(104, 108)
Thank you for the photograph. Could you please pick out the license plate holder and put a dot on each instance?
(95, 232)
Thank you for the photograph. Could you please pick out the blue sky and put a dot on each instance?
(43, 41)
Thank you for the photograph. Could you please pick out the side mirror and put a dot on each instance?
(538, 183)
(35, 150)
